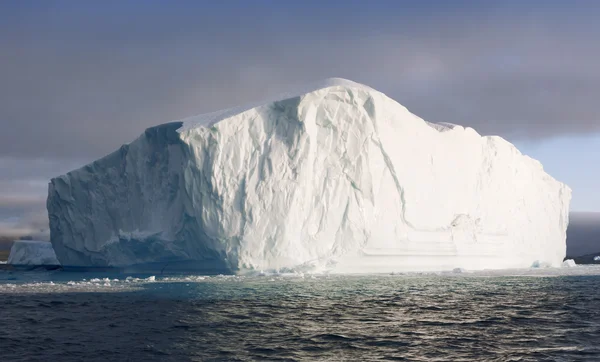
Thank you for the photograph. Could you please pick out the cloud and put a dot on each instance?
(583, 234)
(31, 224)
(80, 79)
(23, 188)
(84, 79)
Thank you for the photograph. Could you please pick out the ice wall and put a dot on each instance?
(337, 176)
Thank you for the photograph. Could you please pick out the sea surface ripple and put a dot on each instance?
(58, 316)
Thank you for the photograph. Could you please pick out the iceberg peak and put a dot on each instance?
(209, 119)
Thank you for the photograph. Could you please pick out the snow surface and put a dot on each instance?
(335, 177)
(31, 252)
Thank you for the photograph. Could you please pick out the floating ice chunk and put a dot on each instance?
(597, 258)
(31, 252)
(540, 264)
(569, 263)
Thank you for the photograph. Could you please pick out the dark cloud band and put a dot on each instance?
(80, 79)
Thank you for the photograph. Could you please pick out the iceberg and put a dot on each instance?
(32, 253)
(335, 177)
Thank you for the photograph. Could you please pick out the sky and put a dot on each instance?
(78, 79)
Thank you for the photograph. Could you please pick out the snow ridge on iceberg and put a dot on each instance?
(336, 176)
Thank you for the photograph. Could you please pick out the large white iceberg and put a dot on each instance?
(337, 176)
(32, 253)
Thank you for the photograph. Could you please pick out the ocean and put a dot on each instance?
(531, 315)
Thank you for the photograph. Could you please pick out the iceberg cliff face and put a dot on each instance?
(338, 176)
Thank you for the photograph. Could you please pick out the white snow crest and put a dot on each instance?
(209, 119)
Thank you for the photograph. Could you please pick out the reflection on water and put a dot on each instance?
(421, 318)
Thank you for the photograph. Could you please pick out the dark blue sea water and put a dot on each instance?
(59, 316)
